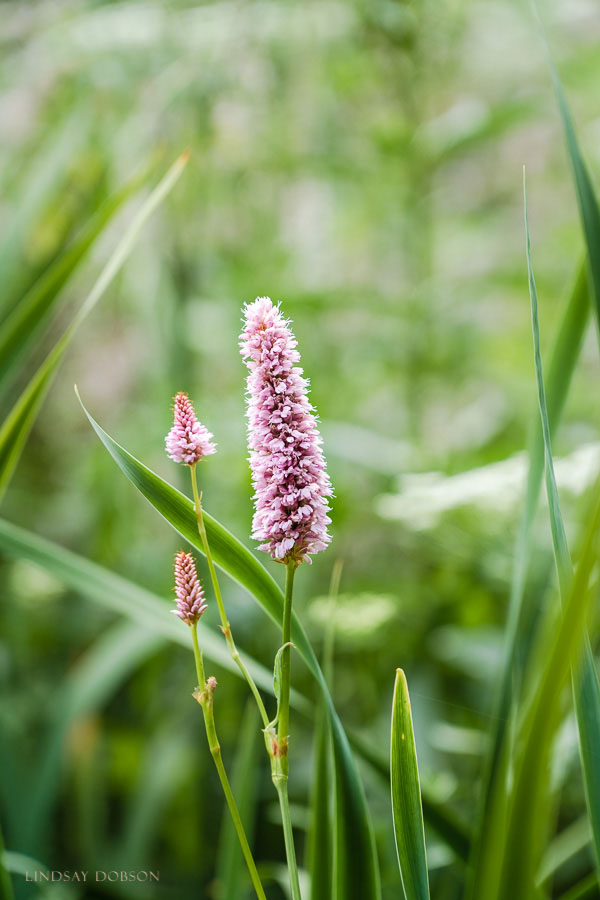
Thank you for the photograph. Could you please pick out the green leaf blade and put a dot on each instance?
(407, 809)
(586, 686)
(16, 428)
(124, 598)
(28, 316)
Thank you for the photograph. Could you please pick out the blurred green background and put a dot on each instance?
(361, 162)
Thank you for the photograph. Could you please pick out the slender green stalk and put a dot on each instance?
(225, 626)
(283, 727)
(280, 760)
(204, 696)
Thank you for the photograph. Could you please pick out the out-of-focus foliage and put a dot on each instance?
(361, 162)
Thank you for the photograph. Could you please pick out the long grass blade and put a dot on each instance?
(356, 869)
(564, 357)
(529, 784)
(565, 354)
(586, 687)
(37, 189)
(125, 598)
(589, 210)
(407, 810)
(20, 328)
(19, 422)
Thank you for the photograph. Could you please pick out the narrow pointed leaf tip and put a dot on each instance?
(407, 810)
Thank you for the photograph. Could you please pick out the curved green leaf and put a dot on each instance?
(356, 869)
(19, 422)
(407, 810)
(126, 598)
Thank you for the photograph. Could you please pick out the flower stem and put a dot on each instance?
(204, 696)
(286, 666)
(225, 626)
(280, 761)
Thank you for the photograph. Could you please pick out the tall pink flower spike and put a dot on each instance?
(188, 441)
(189, 592)
(288, 468)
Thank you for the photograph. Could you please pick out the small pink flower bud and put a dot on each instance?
(211, 684)
(188, 441)
(188, 590)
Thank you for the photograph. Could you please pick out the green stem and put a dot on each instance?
(283, 727)
(280, 761)
(204, 696)
(225, 626)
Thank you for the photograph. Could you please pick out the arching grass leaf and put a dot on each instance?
(24, 322)
(17, 426)
(356, 869)
(564, 358)
(126, 598)
(586, 687)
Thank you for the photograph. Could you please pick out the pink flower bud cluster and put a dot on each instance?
(288, 469)
(187, 441)
(188, 590)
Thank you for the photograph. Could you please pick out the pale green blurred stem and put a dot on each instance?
(225, 626)
(204, 696)
(280, 761)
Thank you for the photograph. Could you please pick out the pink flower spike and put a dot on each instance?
(288, 468)
(188, 590)
(188, 441)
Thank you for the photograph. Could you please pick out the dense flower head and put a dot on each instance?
(187, 441)
(288, 469)
(189, 592)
